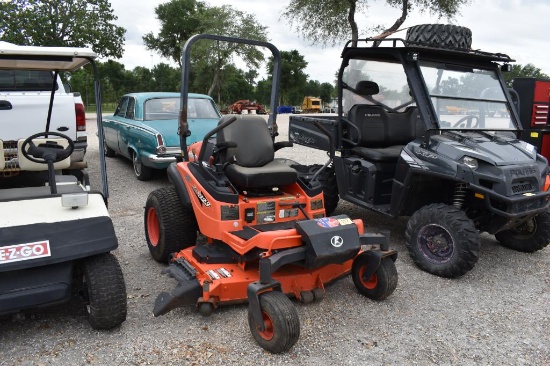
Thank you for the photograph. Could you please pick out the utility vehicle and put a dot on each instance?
(265, 227)
(426, 129)
(56, 239)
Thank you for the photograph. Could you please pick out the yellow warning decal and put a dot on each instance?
(535, 135)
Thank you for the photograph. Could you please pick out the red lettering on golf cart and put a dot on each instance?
(26, 251)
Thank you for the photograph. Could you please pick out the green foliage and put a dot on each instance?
(292, 79)
(77, 23)
(523, 71)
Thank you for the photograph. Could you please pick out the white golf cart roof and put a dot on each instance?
(43, 58)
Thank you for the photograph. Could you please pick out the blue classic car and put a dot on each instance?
(144, 128)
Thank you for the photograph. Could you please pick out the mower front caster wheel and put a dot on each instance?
(280, 320)
(381, 284)
(205, 308)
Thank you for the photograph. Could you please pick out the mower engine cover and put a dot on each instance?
(329, 240)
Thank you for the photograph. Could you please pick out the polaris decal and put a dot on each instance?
(23, 252)
(520, 172)
(327, 222)
(200, 196)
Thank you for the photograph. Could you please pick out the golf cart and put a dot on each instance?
(417, 134)
(267, 236)
(56, 239)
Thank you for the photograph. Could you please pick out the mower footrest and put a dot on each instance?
(187, 292)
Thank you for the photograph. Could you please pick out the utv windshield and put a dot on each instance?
(467, 98)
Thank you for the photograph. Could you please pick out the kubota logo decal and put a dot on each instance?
(336, 241)
(201, 197)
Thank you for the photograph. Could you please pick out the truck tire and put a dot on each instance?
(528, 237)
(442, 240)
(440, 35)
(169, 226)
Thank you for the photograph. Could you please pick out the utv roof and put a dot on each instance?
(43, 58)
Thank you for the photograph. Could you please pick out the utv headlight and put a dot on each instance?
(470, 162)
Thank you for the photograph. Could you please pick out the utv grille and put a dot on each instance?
(522, 187)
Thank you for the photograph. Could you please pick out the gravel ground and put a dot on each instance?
(495, 314)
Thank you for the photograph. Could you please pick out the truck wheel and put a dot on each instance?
(104, 291)
(110, 153)
(169, 226)
(528, 237)
(141, 171)
(440, 35)
(381, 284)
(282, 325)
(442, 240)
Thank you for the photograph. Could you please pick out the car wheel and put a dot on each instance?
(532, 235)
(104, 291)
(141, 171)
(442, 240)
(381, 284)
(110, 153)
(169, 226)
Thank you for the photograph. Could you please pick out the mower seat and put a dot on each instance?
(251, 164)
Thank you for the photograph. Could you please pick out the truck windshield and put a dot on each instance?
(467, 98)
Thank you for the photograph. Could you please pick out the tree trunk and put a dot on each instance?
(352, 23)
(398, 22)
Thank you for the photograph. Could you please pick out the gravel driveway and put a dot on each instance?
(497, 314)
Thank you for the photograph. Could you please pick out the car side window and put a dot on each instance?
(122, 106)
(130, 110)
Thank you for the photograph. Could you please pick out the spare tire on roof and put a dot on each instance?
(440, 35)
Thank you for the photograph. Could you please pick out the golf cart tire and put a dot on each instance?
(525, 240)
(169, 226)
(440, 36)
(381, 284)
(281, 321)
(443, 220)
(104, 291)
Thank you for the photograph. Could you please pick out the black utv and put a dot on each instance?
(426, 129)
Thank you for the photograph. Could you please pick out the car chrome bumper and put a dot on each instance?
(158, 159)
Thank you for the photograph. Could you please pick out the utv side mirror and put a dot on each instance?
(506, 68)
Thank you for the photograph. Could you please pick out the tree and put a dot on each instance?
(293, 77)
(77, 23)
(333, 21)
(525, 71)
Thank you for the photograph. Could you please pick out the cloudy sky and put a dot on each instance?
(518, 28)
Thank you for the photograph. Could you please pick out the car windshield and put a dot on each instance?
(467, 98)
(168, 108)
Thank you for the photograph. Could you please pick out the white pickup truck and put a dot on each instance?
(24, 107)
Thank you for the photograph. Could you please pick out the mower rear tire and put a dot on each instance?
(442, 240)
(104, 291)
(281, 321)
(528, 237)
(440, 35)
(169, 226)
(381, 284)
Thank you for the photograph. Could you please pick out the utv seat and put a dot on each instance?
(251, 164)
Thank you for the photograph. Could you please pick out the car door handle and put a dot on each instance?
(5, 105)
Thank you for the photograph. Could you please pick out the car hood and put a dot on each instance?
(491, 148)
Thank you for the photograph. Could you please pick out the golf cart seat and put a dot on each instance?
(251, 163)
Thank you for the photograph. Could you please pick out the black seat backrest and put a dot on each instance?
(254, 142)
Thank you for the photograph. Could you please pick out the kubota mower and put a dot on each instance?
(266, 233)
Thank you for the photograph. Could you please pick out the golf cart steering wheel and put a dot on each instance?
(48, 151)
(469, 122)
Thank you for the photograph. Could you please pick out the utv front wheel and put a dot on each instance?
(442, 240)
(378, 286)
(104, 291)
(169, 226)
(528, 237)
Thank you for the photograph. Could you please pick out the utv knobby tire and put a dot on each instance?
(169, 226)
(440, 36)
(528, 237)
(281, 321)
(442, 240)
(104, 291)
(381, 284)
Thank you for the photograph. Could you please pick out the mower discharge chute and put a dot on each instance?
(267, 236)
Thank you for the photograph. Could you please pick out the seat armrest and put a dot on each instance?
(280, 144)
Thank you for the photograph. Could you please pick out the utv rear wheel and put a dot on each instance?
(528, 237)
(381, 284)
(442, 240)
(141, 171)
(281, 322)
(440, 35)
(169, 226)
(104, 291)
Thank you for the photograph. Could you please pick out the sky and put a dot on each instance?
(518, 28)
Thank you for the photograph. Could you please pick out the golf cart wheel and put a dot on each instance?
(381, 284)
(141, 171)
(104, 291)
(110, 153)
(282, 325)
(440, 35)
(169, 226)
(528, 237)
(442, 240)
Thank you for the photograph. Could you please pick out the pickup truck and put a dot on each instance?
(24, 104)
